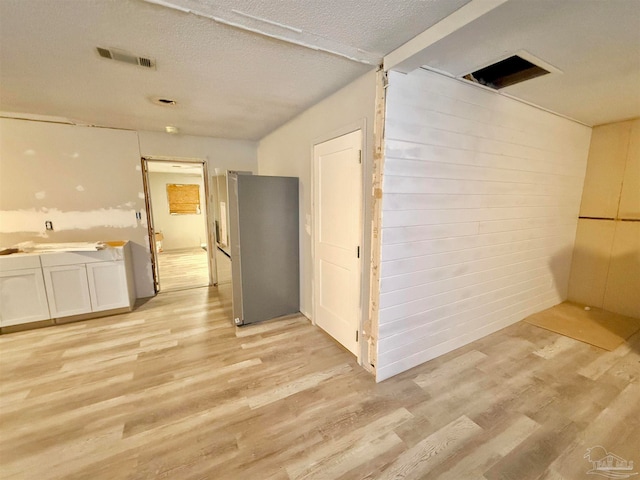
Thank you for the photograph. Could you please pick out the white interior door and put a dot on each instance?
(337, 237)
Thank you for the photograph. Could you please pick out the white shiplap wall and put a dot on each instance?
(481, 196)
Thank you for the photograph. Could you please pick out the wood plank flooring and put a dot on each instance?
(173, 391)
(180, 269)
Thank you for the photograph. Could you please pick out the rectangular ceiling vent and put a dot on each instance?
(504, 73)
(126, 57)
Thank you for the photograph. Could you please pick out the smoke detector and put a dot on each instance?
(126, 57)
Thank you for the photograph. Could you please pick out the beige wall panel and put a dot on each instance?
(590, 263)
(623, 282)
(630, 197)
(605, 169)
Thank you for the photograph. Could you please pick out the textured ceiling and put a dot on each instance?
(376, 26)
(228, 82)
(595, 44)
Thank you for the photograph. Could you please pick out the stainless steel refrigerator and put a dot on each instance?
(264, 239)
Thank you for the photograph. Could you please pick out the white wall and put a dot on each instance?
(218, 152)
(179, 231)
(288, 152)
(480, 205)
(88, 181)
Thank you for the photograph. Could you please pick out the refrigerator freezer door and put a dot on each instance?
(234, 247)
(268, 234)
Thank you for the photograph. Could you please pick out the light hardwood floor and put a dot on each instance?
(183, 269)
(180, 269)
(173, 391)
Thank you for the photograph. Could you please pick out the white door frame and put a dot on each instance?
(350, 128)
(208, 214)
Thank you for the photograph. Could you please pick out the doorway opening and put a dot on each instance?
(177, 194)
(222, 248)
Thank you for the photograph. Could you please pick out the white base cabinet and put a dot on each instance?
(67, 290)
(36, 287)
(22, 297)
(107, 285)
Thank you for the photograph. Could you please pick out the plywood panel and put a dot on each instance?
(183, 198)
(630, 196)
(605, 169)
(595, 326)
(590, 264)
(622, 294)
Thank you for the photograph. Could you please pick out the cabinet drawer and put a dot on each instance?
(54, 259)
(19, 261)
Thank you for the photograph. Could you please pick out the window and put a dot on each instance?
(183, 199)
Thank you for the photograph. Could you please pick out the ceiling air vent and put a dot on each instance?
(504, 73)
(126, 57)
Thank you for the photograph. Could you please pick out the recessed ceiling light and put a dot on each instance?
(171, 129)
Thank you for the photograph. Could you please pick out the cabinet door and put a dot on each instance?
(108, 285)
(67, 290)
(22, 297)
